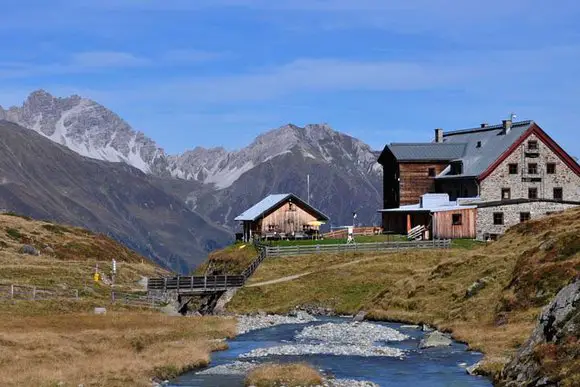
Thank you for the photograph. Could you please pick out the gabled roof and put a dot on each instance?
(427, 151)
(271, 202)
(493, 141)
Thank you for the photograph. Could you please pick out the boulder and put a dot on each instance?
(360, 316)
(558, 327)
(435, 339)
(29, 250)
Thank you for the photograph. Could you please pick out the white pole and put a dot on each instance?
(308, 189)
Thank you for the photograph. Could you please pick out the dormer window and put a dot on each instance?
(456, 168)
(532, 145)
(478, 145)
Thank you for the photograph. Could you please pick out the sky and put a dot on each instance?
(220, 72)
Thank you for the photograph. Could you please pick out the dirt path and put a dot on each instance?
(296, 276)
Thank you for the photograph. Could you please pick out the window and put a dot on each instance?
(558, 194)
(524, 216)
(457, 219)
(291, 207)
(532, 193)
(533, 145)
(506, 193)
(498, 218)
(532, 169)
(551, 168)
(431, 172)
(478, 144)
(514, 169)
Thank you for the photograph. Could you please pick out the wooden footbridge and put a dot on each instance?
(204, 285)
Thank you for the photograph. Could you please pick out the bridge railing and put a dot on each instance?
(196, 283)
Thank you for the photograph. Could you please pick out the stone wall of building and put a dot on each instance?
(511, 215)
(565, 178)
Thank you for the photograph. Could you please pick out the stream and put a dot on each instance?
(386, 354)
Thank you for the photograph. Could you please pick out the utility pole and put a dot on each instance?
(308, 189)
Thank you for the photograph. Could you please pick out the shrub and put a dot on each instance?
(14, 234)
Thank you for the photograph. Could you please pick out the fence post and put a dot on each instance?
(12, 292)
(191, 282)
(33, 292)
(113, 297)
(77, 294)
(165, 284)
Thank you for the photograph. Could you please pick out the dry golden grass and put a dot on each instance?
(524, 270)
(44, 343)
(290, 375)
(117, 349)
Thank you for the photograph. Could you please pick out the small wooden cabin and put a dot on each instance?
(281, 216)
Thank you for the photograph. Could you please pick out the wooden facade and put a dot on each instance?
(289, 218)
(416, 180)
(463, 226)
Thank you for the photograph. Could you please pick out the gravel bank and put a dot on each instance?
(251, 323)
(356, 333)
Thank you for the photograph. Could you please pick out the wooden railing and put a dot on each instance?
(196, 284)
(288, 251)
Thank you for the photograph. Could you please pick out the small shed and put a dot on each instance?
(442, 218)
(281, 216)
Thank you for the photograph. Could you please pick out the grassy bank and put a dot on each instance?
(118, 349)
(289, 375)
(46, 343)
(520, 274)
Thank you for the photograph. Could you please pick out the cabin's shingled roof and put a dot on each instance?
(271, 202)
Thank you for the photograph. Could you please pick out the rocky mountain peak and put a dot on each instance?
(87, 128)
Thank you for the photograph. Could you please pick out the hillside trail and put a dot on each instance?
(304, 274)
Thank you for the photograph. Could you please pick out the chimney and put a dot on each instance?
(507, 126)
(484, 125)
(439, 135)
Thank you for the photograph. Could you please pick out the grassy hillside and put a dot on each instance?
(61, 342)
(520, 273)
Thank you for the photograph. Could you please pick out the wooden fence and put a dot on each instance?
(289, 251)
(149, 300)
(34, 293)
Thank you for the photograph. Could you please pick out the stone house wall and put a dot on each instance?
(565, 178)
(511, 213)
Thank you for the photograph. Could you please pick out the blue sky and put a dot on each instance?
(219, 72)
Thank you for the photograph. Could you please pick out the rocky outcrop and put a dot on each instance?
(551, 354)
(435, 339)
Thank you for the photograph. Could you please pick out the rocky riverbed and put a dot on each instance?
(260, 321)
(347, 353)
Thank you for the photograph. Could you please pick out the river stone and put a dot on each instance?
(360, 316)
(435, 339)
